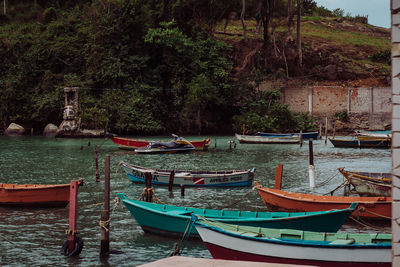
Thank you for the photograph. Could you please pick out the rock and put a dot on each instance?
(14, 130)
(330, 72)
(50, 130)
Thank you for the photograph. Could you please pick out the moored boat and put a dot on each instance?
(374, 133)
(34, 195)
(306, 135)
(371, 208)
(172, 220)
(190, 177)
(369, 183)
(177, 145)
(257, 139)
(132, 144)
(245, 243)
(362, 142)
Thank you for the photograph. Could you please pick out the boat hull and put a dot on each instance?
(132, 144)
(254, 139)
(370, 189)
(307, 135)
(30, 195)
(223, 246)
(191, 178)
(372, 208)
(172, 220)
(356, 143)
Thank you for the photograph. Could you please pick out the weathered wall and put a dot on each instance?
(369, 105)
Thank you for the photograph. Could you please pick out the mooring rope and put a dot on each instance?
(359, 221)
(105, 224)
(179, 246)
(150, 191)
(328, 180)
(6, 239)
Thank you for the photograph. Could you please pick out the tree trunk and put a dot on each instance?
(265, 15)
(298, 33)
(290, 18)
(5, 2)
(242, 18)
(258, 18)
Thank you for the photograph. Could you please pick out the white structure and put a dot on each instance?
(395, 11)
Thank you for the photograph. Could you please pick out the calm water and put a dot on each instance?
(35, 236)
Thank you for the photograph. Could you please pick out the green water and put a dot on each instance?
(35, 236)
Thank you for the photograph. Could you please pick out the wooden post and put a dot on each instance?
(301, 138)
(96, 159)
(320, 130)
(31, 131)
(215, 143)
(105, 214)
(148, 196)
(73, 199)
(326, 130)
(230, 146)
(334, 130)
(244, 125)
(278, 176)
(182, 190)
(171, 180)
(311, 169)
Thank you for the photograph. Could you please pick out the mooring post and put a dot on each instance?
(148, 195)
(311, 169)
(278, 176)
(301, 138)
(73, 199)
(182, 190)
(320, 131)
(105, 214)
(215, 143)
(326, 130)
(230, 146)
(334, 130)
(96, 159)
(171, 180)
(244, 125)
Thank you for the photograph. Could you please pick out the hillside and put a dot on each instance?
(335, 51)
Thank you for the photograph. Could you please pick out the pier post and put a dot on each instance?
(301, 138)
(96, 159)
(311, 169)
(105, 214)
(278, 176)
(73, 199)
(326, 130)
(182, 190)
(148, 195)
(171, 180)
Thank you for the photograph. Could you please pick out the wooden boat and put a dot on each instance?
(362, 142)
(256, 139)
(374, 133)
(369, 184)
(370, 208)
(173, 220)
(306, 135)
(132, 144)
(190, 177)
(246, 243)
(34, 195)
(177, 145)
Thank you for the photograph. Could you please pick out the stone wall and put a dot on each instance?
(367, 107)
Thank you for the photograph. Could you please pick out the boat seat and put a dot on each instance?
(342, 241)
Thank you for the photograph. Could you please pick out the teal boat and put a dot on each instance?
(171, 220)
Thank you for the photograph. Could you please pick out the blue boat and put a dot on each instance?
(362, 142)
(172, 220)
(307, 135)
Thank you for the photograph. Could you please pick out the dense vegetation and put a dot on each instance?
(143, 67)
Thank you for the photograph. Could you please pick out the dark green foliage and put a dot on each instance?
(342, 115)
(382, 56)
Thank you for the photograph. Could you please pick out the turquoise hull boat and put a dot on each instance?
(171, 220)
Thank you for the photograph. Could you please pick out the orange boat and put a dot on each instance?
(129, 143)
(34, 195)
(373, 208)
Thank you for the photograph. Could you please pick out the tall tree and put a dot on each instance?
(298, 42)
(242, 19)
(290, 18)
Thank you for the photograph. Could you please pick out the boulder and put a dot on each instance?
(50, 130)
(14, 129)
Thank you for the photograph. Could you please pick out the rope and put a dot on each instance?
(105, 224)
(328, 180)
(359, 221)
(376, 214)
(234, 203)
(15, 244)
(340, 186)
(178, 246)
(150, 191)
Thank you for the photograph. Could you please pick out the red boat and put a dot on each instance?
(129, 143)
(35, 195)
(368, 208)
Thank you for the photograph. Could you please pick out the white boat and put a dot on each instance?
(190, 177)
(257, 139)
(245, 243)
